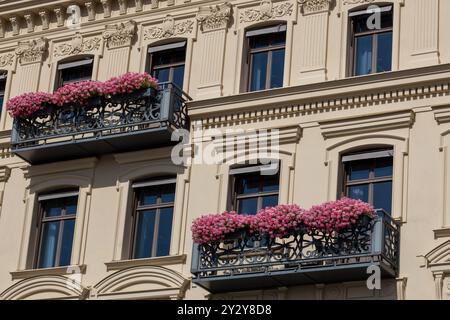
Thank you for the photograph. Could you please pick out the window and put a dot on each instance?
(371, 44)
(152, 218)
(56, 229)
(368, 177)
(167, 62)
(2, 90)
(253, 191)
(266, 53)
(74, 71)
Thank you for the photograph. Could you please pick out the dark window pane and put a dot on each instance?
(363, 56)
(278, 39)
(277, 69)
(168, 194)
(383, 168)
(360, 192)
(382, 196)
(53, 208)
(71, 205)
(248, 184)
(271, 183)
(178, 76)
(165, 232)
(258, 42)
(148, 197)
(77, 73)
(384, 55)
(162, 74)
(359, 170)
(248, 206)
(269, 201)
(67, 242)
(49, 245)
(144, 234)
(258, 71)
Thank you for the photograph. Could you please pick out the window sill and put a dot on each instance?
(158, 261)
(442, 233)
(58, 271)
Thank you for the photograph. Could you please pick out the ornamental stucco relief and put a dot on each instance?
(267, 10)
(78, 45)
(169, 28)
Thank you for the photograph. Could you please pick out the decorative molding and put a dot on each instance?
(139, 5)
(5, 173)
(6, 60)
(29, 19)
(58, 271)
(214, 17)
(154, 4)
(32, 51)
(157, 261)
(266, 11)
(59, 12)
(15, 25)
(441, 233)
(123, 6)
(169, 28)
(76, 46)
(45, 19)
(331, 129)
(120, 35)
(90, 6)
(106, 8)
(314, 6)
(357, 1)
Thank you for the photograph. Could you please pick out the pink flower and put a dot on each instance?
(27, 104)
(128, 83)
(77, 92)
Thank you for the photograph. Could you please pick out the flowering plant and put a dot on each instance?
(277, 222)
(336, 215)
(28, 103)
(77, 92)
(283, 220)
(215, 227)
(129, 83)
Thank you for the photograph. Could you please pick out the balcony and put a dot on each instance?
(250, 263)
(136, 121)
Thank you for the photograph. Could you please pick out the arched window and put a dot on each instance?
(152, 218)
(370, 40)
(74, 70)
(55, 229)
(266, 57)
(167, 62)
(368, 176)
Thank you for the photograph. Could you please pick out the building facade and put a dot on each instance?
(358, 97)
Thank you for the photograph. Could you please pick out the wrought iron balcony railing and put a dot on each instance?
(250, 262)
(139, 120)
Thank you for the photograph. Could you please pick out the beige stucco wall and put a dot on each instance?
(320, 113)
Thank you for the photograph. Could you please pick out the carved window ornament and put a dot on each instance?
(120, 35)
(139, 5)
(90, 6)
(6, 60)
(106, 8)
(2, 28)
(267, 10)
(214, 17)
(29, 18)
(32, 51)
(77, 46)
(43, 14)
(15, 25)
(59, 12)
(169, 28)
(314, 6)
(123, 6)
